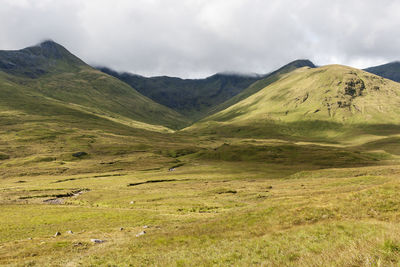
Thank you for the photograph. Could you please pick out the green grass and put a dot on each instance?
(230, 201)
(327, 104)
(248, 186)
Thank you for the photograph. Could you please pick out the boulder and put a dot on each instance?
(79, 154)
(94, 240)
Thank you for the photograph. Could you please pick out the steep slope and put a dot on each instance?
(390, 71)
(313, 103)
(190, 97)
(49, 70)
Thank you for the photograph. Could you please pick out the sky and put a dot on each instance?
(197, 38)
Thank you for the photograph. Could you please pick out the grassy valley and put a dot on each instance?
(296, 169)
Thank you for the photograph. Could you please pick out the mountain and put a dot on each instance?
(49, 71)
(314, 103)
(260, 84)
(46, 57)
(190, 97)
(390, 71)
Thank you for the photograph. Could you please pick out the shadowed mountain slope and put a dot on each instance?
(46, 57)
(390, 71)
(190, 97)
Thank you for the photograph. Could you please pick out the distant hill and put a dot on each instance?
(190, 97)
(312, 102)
(390, 71)
(49, 71)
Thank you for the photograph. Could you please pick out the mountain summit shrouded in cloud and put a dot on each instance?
(193, 39)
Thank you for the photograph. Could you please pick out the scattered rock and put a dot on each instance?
(324, 216)
(145, 226)
(70, 232)
(132, 202)
(79, 154)
(57, 234)
(354, 87)
(77, 244)
(121, 228)
(55, 201)
(94, 240)
(141, 233)
(29, 238)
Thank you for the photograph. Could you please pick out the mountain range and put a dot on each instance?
(46, 80)
(289, 168)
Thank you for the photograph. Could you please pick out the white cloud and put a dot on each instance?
(192, 38)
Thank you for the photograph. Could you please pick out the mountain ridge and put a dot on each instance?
(389, 70)
(196, 98)
(190, 97)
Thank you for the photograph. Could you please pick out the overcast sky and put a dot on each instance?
(196, 38)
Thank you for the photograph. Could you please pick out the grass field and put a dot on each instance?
(302, 172)
(228, 201)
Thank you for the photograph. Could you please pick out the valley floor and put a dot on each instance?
(203, 202)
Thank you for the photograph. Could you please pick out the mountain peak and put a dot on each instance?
(298, 63)
(34, 61)
(48, 42)
(50, 49)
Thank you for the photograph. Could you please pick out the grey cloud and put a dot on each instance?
(195, 38)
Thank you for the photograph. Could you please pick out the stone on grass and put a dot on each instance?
(145, 226)
(132, 202)
(94, 240)
(121, 228)
(141, 233)
(79, 154)
(57, 234)
(70, 232)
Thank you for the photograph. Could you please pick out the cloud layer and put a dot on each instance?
(195, 38)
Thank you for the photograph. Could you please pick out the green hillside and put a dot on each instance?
(51, 71)
(260, 84)
(390, 71)
(191, 97)
(322, 102)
